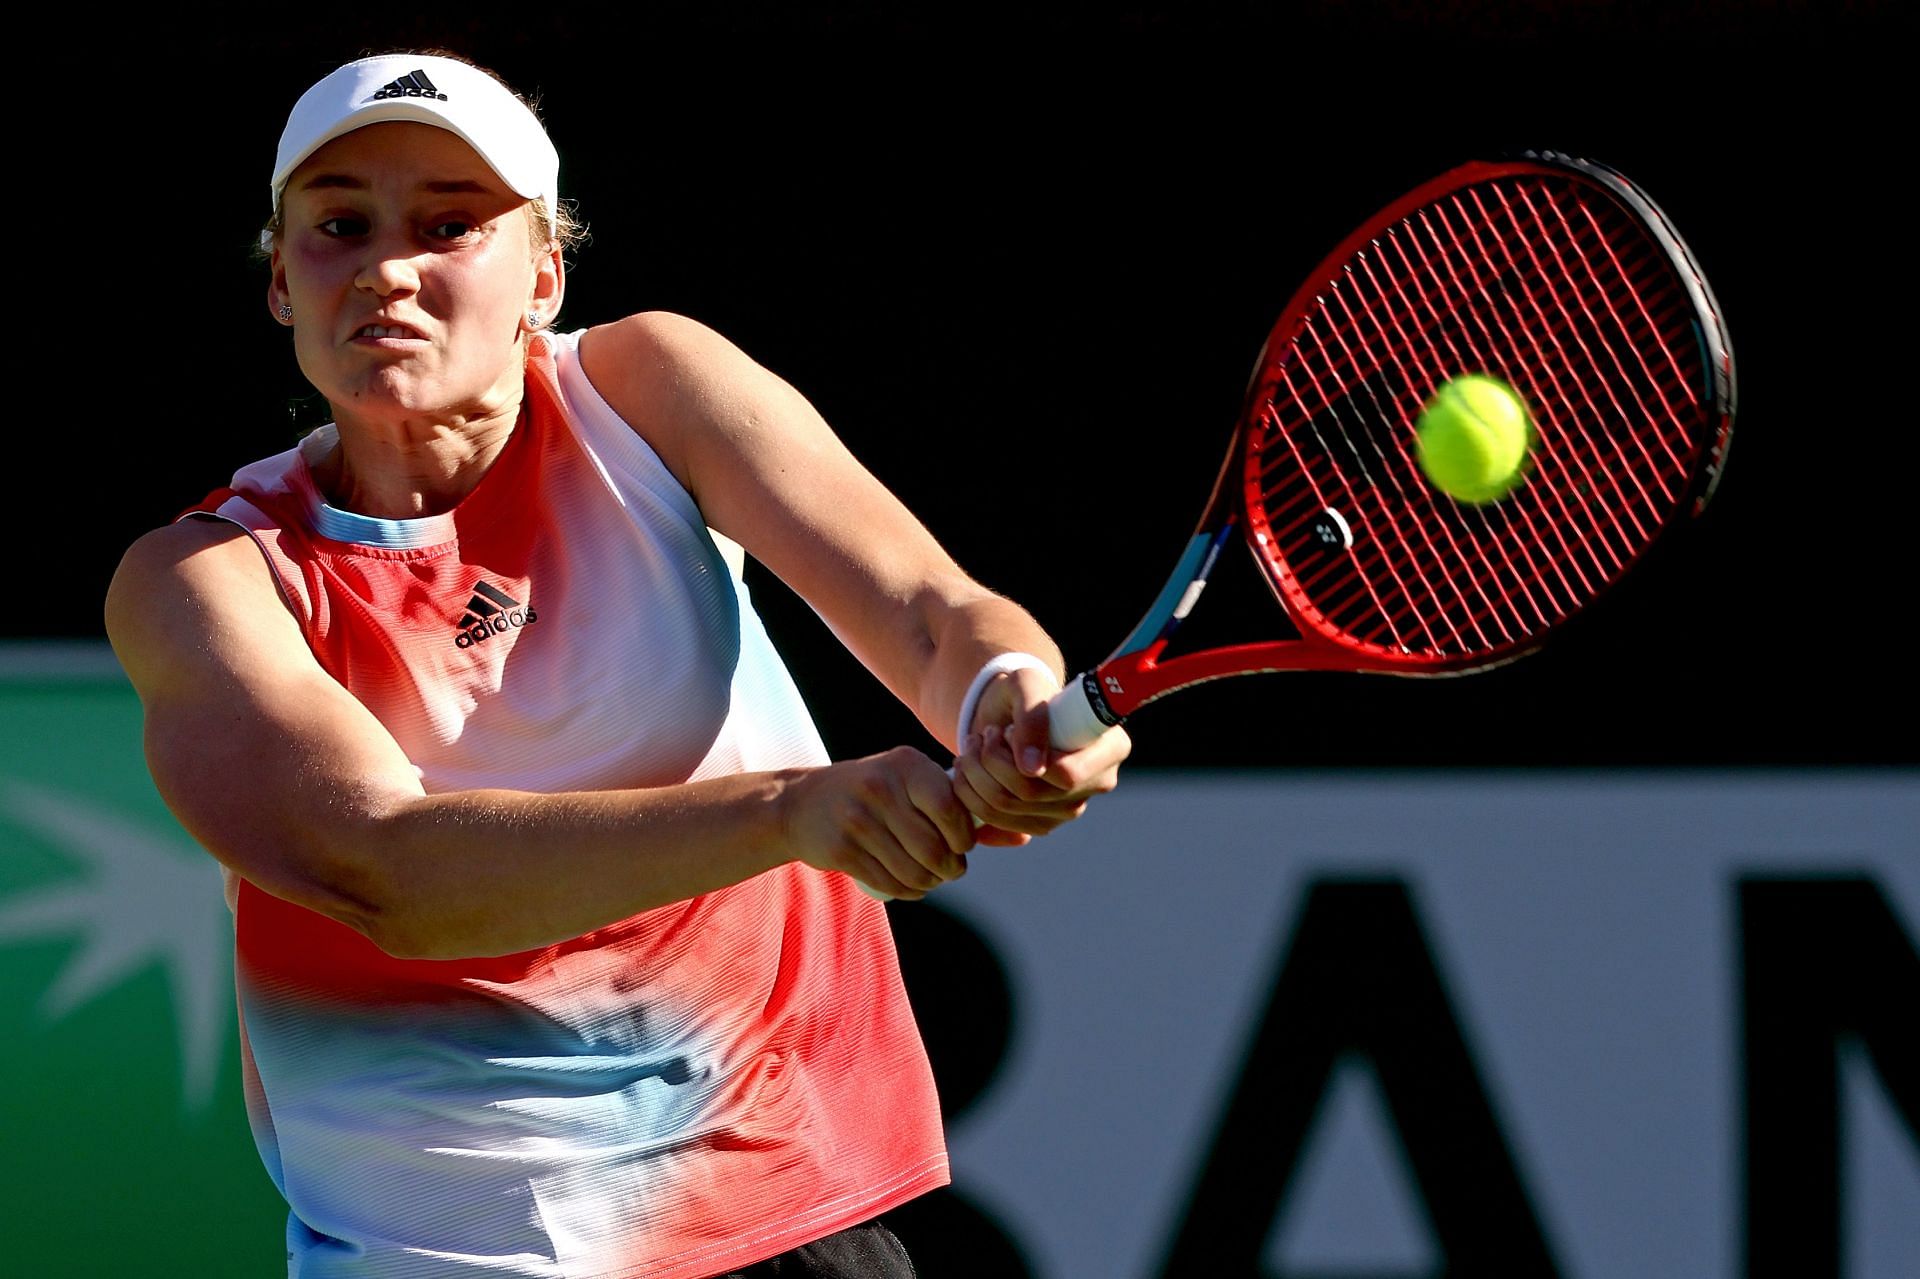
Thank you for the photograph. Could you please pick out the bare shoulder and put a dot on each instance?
(681, 385)
(187, 592)
(171, 546)
(655, 359)
(649, 344)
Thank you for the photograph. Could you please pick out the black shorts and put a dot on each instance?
(867, 1251)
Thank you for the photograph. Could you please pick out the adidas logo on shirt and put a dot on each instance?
(412, 85)
(489, 612)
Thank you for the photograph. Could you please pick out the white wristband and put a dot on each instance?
(997, 666)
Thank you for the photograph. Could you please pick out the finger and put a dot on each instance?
(896, 857)
(995, 805)
(915, 834)
(1019, 708)
(1094, 768)
(932, 794)
(972, 787)
(989, 776)
(918, 798)
(870, 828)
(997, 757)
(871, 873)
(1027, 741)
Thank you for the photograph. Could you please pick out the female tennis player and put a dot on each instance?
(552, 953)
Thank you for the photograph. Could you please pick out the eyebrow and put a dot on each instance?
(342, 181)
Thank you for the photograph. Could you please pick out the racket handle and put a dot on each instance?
(1071, 721)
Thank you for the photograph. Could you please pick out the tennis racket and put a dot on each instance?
(1555, 275)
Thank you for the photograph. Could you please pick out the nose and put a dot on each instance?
(389, 268)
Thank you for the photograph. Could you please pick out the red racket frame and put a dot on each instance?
(1135, 674)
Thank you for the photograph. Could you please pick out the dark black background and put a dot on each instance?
(1022, 258)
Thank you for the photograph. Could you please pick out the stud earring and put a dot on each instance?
(533, 320)
(286, 312)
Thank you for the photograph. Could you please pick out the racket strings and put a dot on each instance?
(1428, 369)
(1587, 332)
(1402, 349)
(1447, 609)
(1531, 340)
(1340, 591)
(1649, 317)
(1585, 540)
(1618, 300)
(1450, 608)
(1501, 570)
(1642, 485)
(1566, 298)
(1647, 303)
(1441, 322)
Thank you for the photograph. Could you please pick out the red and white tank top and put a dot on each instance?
(675, 1095)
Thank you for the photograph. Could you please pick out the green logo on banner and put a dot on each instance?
(128, 1150)
(144, 898)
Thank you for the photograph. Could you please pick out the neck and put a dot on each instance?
(411, 468)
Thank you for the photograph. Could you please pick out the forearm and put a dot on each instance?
(491, 872)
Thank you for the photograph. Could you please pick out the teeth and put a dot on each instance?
(384, 331)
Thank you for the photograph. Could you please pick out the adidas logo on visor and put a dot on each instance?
(412, 85)
(490, 612)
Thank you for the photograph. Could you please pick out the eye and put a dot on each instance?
(344, 226)
(451, 229)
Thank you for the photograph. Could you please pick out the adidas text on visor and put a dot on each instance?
(428, 90)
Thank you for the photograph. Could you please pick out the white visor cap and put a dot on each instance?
(439, 91)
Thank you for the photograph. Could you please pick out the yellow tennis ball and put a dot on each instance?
(1472, 439)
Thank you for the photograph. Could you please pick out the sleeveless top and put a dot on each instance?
(674, 1095)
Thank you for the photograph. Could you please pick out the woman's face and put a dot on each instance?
(410, 271)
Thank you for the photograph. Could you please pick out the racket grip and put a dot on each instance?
(1071, 721)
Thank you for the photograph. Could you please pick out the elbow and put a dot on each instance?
(402, 930)
(370, 896)
(398, 883)
(405, 930)
(348, 874)
(377, 917)
(421, 934)
(399, 942)
(339, 892)
(348, 891)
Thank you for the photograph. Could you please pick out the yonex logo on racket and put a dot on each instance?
(412, 85)
(490, 612)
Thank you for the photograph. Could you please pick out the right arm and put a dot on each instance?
(286, 778)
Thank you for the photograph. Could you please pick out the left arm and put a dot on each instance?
(768, 472)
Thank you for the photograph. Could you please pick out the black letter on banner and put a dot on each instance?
(1822, 960)
(1360, 979)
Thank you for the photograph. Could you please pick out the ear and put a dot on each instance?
(548, 287)
(277, 296)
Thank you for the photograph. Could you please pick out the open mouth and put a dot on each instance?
(386, 331)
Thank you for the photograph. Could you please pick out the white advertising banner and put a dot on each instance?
(1585, 1024)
